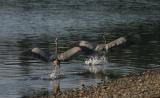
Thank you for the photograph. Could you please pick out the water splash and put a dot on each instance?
(96, 68)
(56, 74)
(96, 60)
(96, 64)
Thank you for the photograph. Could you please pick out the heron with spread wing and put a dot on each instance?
(84, 47)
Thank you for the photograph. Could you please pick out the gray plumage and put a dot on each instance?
(84, 46)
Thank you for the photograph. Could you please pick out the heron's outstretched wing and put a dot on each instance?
(38, 53)
(114, 43)
(69, 53)
(86, 44)
(84, 47)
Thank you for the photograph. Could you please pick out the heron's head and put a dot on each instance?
(56, 62)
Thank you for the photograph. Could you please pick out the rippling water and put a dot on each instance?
(35, 23)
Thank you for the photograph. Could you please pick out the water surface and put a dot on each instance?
(36, 23)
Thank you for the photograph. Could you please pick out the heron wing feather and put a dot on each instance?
(40, 54)
(114, 43)
(69, 53)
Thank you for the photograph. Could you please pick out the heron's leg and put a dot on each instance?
(56, 69)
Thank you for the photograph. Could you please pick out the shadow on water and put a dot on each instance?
(36, 23)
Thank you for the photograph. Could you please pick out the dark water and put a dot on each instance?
(25, 24)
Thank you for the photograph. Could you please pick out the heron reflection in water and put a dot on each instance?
(84, 47)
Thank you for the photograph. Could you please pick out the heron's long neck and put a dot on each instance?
(104, 39)
(56, 51)
(57, 69)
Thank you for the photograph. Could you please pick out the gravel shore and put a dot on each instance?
(144, 85)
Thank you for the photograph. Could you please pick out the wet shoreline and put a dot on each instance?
(144, 85)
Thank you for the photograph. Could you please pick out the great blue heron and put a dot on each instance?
(84, 46)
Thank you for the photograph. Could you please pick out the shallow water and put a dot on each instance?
(35, 23)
